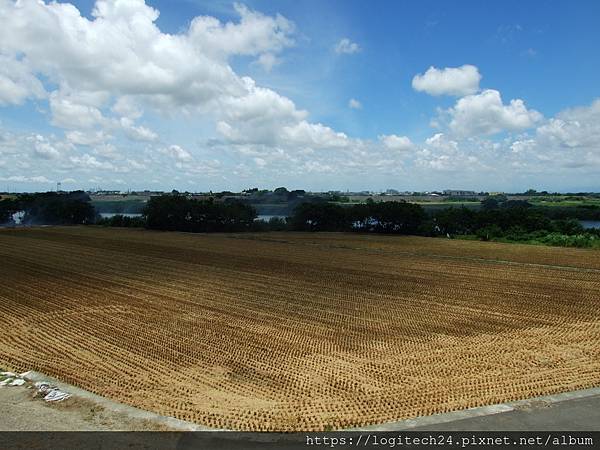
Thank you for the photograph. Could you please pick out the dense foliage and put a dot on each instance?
(120, 220)
(496, 219)
(383, 217)
(180, 213)
(49, 208)
(517, 222)
(8, 207)
(509, 221)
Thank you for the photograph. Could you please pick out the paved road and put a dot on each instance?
(570, 411)
(581, 414)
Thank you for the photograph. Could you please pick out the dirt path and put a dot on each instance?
(20, 411)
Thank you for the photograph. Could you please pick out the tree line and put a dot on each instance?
(500, 220)
(49, 208)
(511, 221)
(180, 213)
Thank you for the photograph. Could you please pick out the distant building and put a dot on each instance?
(458, 193)
(107, 192)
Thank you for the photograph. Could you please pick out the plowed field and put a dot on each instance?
(297, 331)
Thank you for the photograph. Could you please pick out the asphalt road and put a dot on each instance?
(581, 414)
(575, 411)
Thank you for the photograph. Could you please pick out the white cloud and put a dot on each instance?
(569, 140)
(346, 46)
(574, 128)
(17, 83)
(71, 112)
(258, 117)
(396, 143)
(107, 151)
(520, 146)
(87, 161)
(121, 51)
(137, 133)
(127, 107)
(135, 165)
(115, 67)
(485, 114)
(178, 153)
(268, 61)
(260, 162)
(256, 34)
(354, 104)
(87, 137)
(314, 135)
(112, 67)
(44, 149)
(24, 179)
(456, 81)
(444, 154)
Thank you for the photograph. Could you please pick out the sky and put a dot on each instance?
(200, 95)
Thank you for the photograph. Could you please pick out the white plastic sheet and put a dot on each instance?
(50, 393)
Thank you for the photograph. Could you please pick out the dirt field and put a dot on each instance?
(297, 331)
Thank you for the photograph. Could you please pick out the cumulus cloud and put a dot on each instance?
(88, 162)
(17, 83)
(485, 114)
(24, 179)
(107, 151)
(396, 143)
(126, 106)
(456, 81)
(109, 75)
(87, 137)
(354, 104)
(346, 46)
(135, 66)
(442, 153)
(132, 55)
(255, 34)
(574, 128)
(268, 61)
(178, 153)
(71, 112)
(315, 136)
(569, 140)
(44, 149)
(122, 52)
(137, 133)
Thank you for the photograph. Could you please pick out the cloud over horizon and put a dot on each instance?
(121, 96)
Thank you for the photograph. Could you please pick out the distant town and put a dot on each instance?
(281, 201)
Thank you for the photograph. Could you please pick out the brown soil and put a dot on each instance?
(296, 331)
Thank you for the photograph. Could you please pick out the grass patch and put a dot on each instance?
(550, 240)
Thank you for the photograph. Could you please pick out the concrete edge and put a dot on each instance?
(478, 411)
(181, 425)
(129, 411)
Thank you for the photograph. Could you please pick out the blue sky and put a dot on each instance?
(200, 95)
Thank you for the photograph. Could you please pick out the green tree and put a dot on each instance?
(490, 203)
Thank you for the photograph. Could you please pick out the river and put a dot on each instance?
(109, 215)
(589, 224)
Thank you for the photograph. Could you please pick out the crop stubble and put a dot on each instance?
(291, 331)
